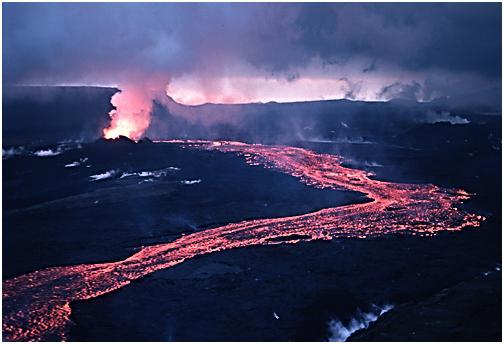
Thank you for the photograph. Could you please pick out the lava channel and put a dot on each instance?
(36, 306)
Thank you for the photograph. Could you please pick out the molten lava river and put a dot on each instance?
(36, 306)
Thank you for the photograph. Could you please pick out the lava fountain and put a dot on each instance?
(131, 116)
(36, 306)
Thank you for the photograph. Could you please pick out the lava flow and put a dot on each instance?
(36, 306)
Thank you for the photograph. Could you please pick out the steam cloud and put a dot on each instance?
(445, 117)
(11, 152)
(47, 152)
(132, 113)
(361, 320)
(240, 53)
(104, 175)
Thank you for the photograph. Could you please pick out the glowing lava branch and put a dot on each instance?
(36, 306)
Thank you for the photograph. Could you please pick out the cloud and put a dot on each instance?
(104, 175)
(341, 332)
(251, 52)
(412, 91)
(444, 117)
(371, 68)
(191, 182)
(12, 152)
(110, 43)
(77, 163)
(47, 152)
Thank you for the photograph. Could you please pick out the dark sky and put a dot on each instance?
(258, 52)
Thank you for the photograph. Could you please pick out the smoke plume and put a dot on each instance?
(248, 53)
(133, 107)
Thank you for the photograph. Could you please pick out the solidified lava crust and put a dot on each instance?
(36, 306)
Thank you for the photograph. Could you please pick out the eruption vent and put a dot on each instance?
(36, 306)
(131, 116)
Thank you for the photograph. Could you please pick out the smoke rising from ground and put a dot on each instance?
(242, 53)
(341, 332)
(131, 116)
(445, 117)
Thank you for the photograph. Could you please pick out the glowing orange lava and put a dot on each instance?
(122, 127)
(132, 114)
(36, 306)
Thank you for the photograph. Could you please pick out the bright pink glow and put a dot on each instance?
(238, 90)
(36, 306)
(132, 114)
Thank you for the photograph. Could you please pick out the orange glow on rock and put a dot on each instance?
(36, 305)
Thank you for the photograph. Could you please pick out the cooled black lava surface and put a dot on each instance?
(442, 288)
(232, 295)
(60, 216)
(446, 287)
(467, 311)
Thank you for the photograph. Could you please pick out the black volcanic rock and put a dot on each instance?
(60, 216)
(468, 311)
(120, 140)
(124, 139)
(145, 140)
(50, 114)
